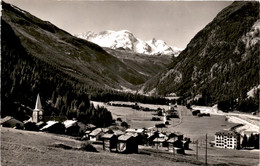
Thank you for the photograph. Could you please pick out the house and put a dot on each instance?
(9, 121)
(127, 144)
(109, 141)
(150, 137)
(175, 145)
(227, 139)
(90, 127)
(71, 127)
(53, 127)
(160, 142)
(96, 134)
(118, 132)
(87, 134)
(31, 126)
(107, 130)
(82, 128)
(40, 124)
(176, 135)
(137, 131)
(186, 143)
(37, 115)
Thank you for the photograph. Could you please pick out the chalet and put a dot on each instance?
(9, 121)
(127, 144)
(109, 142)
(227, 139)
(96, 134)
(82, 128)
(176, 135)
(186, 143)
(175, 146)
(87, 134)
(31, 126)
(40, 124)
(71, 127)
(118, 132)
(137, 131)
(107, 130)
(150, 137)
(90, 127)
(160, 142)
(53, 127)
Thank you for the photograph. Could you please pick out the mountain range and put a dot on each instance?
(220, 63)
(125, 40)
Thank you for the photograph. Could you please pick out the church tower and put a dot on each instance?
(38, 111)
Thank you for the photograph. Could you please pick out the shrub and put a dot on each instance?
(124, 124)
(119, 119)
(155, 119)
(88, 147)
(195, 112)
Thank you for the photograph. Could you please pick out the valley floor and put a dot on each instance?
(19, 147)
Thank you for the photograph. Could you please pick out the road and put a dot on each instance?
(250, 122)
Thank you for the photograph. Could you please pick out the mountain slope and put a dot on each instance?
(220, 62)
(146, 65)
(125, 40)
(78, 58)
(39, 58)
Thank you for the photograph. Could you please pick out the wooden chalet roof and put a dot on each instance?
(175, 134)
(96, 132)
(118, 132)
(49, 124)
(172, 140)
(107, 136)
(91, 126)
(135, 130)
(124, 137)
(40, 123)
(5, 119)
(159, 140)
(69, 123)
(88, 132)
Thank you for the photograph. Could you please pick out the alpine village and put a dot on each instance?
(65, 100)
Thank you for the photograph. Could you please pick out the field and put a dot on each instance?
(196, 127)
(19, 147)
(191, 126)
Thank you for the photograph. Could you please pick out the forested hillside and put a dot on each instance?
(67, 72)
(221, 62)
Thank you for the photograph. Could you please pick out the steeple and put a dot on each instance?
(38, 105)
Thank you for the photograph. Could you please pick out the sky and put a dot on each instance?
(175, 22)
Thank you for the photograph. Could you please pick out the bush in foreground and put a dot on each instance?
(88, 147)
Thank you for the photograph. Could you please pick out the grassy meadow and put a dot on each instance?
(191, 126)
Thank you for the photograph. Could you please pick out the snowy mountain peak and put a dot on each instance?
(124, 39)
